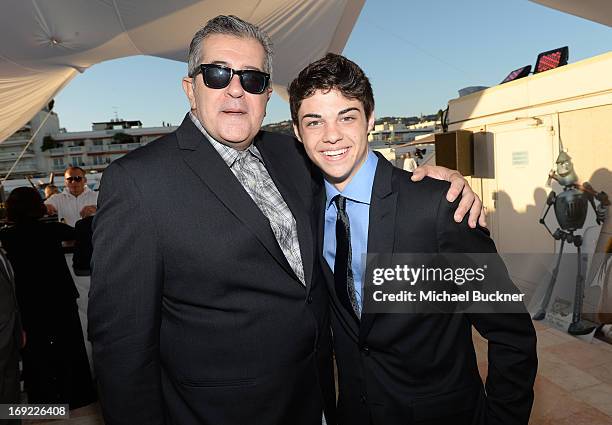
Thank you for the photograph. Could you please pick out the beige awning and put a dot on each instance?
(44, 44)
(593, 10)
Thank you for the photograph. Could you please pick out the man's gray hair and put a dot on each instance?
(228, 25)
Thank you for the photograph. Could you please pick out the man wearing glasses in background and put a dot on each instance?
(76, 201)
(207, 304)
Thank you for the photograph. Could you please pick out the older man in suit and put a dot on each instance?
(207, 304)
(398, 369)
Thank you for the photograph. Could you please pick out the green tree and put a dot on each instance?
(121, 137)
(48, 143)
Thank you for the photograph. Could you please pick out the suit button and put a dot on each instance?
(362, 399)
(309, 300)
(365, 350)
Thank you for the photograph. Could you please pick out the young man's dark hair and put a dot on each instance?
(331, 72)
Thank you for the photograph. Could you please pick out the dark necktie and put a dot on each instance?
(343, 272)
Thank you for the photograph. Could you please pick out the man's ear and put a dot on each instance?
(268, 96)
(371, 121)
(188, 89)
(296, 131)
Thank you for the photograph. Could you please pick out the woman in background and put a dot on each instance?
(55, 366)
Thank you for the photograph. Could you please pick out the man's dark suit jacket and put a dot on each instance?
(421, 369)
(195, 315)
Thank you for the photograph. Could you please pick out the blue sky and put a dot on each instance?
(417, 55)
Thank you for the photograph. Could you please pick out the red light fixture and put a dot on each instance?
(517, 73)
(551, 59)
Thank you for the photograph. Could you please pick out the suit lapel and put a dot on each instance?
(381, 233)
(293, 198)
(328, 274)
(207, 164)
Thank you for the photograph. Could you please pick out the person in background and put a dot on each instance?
(55, 366)
(83, 247)
(50, 190)
(76, 201)
(11, 337)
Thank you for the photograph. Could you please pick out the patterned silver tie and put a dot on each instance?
(256, 180)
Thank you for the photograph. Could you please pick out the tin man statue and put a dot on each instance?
(571, 207)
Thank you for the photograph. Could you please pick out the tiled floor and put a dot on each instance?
(573, 386)
(88, 415)
(574, 382)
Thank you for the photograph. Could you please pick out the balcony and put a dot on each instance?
(12, 156)
(94, 167)
(75, 149)
(21, 168)
(68, 150)
(57, 151)
(123, 147)
(16, 140)
(87, 166)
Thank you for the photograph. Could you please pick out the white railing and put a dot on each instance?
(114, 147)
(12, 156)
(20, 168)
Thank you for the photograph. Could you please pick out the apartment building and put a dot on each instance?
(32, 161)
(108, 140)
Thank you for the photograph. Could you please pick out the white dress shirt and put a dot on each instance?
(69, 206)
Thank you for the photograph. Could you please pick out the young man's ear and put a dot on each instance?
(371, 121)
(188, 89)
(296, 131)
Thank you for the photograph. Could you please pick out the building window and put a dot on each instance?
(99, 160)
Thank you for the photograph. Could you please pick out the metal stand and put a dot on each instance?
(578, 326)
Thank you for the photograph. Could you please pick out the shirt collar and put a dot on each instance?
(359, 189)
(229, 155)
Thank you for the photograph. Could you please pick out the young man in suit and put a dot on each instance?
(399, 368)
(207, 304)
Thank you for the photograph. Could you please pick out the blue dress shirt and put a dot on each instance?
(358, 193)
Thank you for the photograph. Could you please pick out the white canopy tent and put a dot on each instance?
(47, 43)
(593, 10)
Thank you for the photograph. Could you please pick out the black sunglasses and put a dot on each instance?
(74, 179)
(219, 76)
